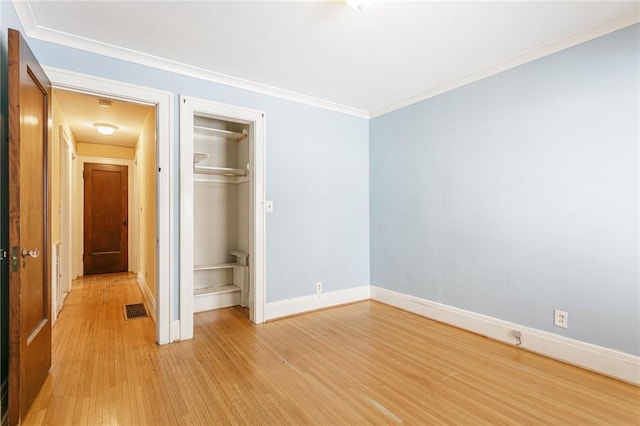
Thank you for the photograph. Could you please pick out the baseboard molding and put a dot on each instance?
(208, 302)
(602, 360)
(299, 305)
(148, 297)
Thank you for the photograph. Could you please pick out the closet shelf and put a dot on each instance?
(216, 289)
(216, 266)
(199, 156)
(228, 134)
(221, 171)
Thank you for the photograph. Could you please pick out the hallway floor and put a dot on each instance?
(364, 363)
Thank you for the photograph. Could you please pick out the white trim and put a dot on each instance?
(186, 221)
(163, 101)
(257, 227)
(134, 220)
(175, 331)
(67, 155)
(606, 361)
(77, 208)
(33, 30)
(207, 302)
(257, 275)
(532, 55)
(148, 297)
(300, 305)
(55, 283)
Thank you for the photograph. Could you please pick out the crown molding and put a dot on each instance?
(549, 49)
(35, 31)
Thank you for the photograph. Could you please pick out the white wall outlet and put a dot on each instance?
(268, 206)
(318, 287)
(518, 336)
(560, 319)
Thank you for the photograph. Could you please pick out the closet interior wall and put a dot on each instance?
(221, 213)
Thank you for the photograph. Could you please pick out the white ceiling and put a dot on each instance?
(82, 111)
(369, 62)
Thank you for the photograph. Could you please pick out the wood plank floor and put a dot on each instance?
(364, 363)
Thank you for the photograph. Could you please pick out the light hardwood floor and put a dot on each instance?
(364, 363)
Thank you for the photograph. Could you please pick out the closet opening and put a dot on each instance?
(222, 209)
(220, 214)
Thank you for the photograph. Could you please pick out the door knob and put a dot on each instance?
(30, 253)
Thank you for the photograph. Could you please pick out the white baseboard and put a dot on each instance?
(298, 305)
(148, 297)
(208, 302)
(606, 361)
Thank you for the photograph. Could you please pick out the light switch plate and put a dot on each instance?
(268, 206)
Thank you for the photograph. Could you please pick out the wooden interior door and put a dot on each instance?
(105, 218)
(30, 270)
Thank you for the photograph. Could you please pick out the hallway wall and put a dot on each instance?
(106, 151)
(146, 169)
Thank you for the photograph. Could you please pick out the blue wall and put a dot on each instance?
(510, 197)
(316, 173)
(518, 194)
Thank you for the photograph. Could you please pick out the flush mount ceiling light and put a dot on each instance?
(359, 5)
(105, 129)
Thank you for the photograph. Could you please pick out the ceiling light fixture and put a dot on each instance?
(106, 103)
(105, 129)
(359, 5)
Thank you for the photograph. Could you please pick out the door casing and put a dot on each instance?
(66, 172)
(257, 229)
(167, 317)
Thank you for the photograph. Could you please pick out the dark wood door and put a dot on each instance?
(106, 220)
(29, 230)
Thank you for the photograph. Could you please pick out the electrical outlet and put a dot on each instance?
(318, 287)
(518, 336)
(560, 319)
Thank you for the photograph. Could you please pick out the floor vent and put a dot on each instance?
(135, 310)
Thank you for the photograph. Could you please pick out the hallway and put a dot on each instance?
(95, 376)
(364, 363)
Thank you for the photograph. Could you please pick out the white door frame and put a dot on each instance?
(66, 195)
(166, 331)
(257, 275)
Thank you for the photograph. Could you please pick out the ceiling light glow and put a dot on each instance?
(105, 129)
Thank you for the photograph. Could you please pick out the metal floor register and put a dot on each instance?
(135, 310)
